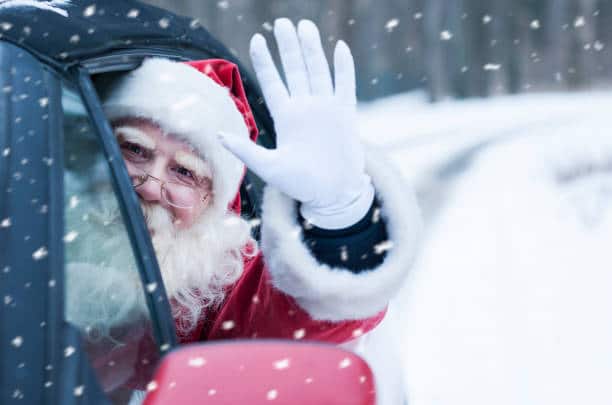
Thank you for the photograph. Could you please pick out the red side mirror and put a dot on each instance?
(262, 372)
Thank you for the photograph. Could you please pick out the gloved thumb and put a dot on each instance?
(257, 158)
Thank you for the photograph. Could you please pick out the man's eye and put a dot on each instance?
(183, 172)
(134, 151)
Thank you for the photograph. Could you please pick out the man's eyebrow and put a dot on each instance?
(135, 135)
(193, 163)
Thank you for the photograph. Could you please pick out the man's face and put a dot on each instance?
(165, 170)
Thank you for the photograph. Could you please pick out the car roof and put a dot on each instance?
(65, 32)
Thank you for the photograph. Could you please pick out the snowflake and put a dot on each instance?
(40, 253)
(344, 363)
(446, 35)
(491, 66)
(228, 325)
(272, 394)
(281, 364)
(196, 362)
(391, 24)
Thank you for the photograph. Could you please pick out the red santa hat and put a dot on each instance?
(192, 101)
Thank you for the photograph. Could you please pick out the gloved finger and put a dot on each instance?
(257, 158)
(344, 68)
(291, 57)
(273, 88)
(314, 57)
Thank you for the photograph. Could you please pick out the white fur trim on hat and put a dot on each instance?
(337, 294)
(189, 105)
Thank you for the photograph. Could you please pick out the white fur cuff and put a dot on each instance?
(337, 294)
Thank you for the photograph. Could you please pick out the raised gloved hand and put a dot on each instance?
(319, 159)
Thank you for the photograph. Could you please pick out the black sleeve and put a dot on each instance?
(356, 248)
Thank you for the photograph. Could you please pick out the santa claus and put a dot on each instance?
(339, 226)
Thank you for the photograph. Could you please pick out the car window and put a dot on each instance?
(105, 298)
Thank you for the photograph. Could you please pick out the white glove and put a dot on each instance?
(318, 159)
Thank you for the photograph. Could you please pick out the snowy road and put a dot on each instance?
(511, 298)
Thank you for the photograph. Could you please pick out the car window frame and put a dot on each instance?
(162, 321)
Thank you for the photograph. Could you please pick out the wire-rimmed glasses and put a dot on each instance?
(175, 193)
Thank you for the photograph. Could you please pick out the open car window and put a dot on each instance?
(104, 296)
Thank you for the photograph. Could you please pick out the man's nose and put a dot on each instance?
(150, 191)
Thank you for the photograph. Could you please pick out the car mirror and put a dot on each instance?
(261, 372)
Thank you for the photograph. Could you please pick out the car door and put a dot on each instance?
(84, 315)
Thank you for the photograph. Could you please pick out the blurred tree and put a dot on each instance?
(449, 48)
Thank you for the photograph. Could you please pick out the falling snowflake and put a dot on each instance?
(48, 384)
(362, 379)
(212, 392)
(151, 287)
(309, 380)
(7, 299)
(228, 325)
(196, 362)
(152, 386)
(491, 66)
(78, 391)
(195, 23)
(6, 222)
(299, 334)
(418, 16)
(267, 26)
(579, 22)
(165, 347)
(272, 394)
(344, 363)
(391, 24)
(224, 4)
(17, 341)
(357, 332)
(89, 10)
(487, 19)
(70, 236)
(598, 46)
(69, 351)
(164, 23)
(133, 13)
(446, 35)
(73, 202)
(383, 247)
(281, 364)
(74, 39)
(344, 256)
(6, 152)
(40, 253)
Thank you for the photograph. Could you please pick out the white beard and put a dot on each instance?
(200, 262)
(103, 287)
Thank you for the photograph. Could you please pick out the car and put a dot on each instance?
(58, 160)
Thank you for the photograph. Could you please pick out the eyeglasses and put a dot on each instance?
(174, 193)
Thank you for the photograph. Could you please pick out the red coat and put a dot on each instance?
(254, 308)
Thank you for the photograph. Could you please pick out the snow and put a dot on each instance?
(53, 5)
(509, 301)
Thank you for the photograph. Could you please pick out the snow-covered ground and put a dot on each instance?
(510, 301)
